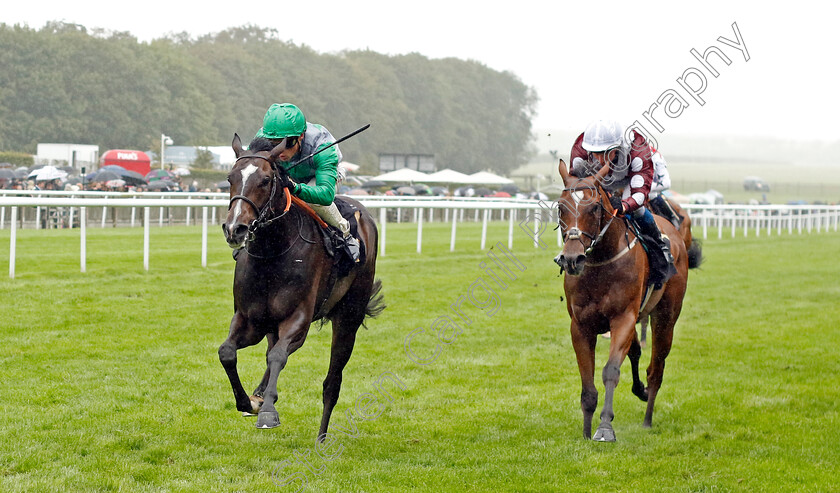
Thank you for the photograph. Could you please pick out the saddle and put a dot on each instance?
(334, 242)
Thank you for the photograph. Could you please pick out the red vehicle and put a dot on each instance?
(131, 160)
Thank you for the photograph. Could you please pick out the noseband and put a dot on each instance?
(262, 212)
(574, 233)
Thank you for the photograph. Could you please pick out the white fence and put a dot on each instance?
(534, 218)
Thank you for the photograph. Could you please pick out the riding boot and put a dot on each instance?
(659, 253)
(352, 246)
(660, 206)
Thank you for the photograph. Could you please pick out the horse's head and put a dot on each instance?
(255, 182)
(583, 207)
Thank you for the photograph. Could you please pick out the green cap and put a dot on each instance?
(282, 120)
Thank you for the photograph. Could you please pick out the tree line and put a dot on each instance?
(65, 83)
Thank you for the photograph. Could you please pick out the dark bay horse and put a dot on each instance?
(605, 286)
(285, 280)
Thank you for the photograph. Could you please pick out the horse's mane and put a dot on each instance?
(260, 144)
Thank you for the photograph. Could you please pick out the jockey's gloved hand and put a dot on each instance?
(617, 204)
(288, 182)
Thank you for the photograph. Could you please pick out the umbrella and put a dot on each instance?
(47, 173)
(422, 189)
(181, 172)
(357, 191)
(351, 167)
(162, 185)
(21, 172)
(102, 175)
(500, 194)
(158, 174)
(131, 177)
(406, 191)
(511, 189)
(440, 191)
(374, 184)
(7, 174)
(115, 183)
(223, 185)
(482, 192)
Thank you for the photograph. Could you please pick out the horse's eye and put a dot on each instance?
(265, 181)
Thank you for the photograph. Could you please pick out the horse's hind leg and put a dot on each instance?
(345, 327)
(662, 329)
(644, 324)
(634, 354)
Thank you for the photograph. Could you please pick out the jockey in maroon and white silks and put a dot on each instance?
(632, 173)
(631, 161)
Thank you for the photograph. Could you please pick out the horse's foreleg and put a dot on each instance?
(241, 335)
(260, 390)
(344, 338)
(291, 335)
(584, 345)
(623, 331)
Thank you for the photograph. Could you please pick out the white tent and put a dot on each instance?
(487, 178)
(448, 176)
(402, 175)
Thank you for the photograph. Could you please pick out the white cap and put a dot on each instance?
(601, 135)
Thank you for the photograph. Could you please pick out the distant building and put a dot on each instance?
(75, 155)
(418, 162)
(184, 156)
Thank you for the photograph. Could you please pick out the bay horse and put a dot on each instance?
(285, 279)
(606, 290)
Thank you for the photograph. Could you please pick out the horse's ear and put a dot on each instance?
(237, 145)
(275, 153)
(564, 173)
(602, 173)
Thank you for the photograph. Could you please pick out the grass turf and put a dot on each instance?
(111, 379)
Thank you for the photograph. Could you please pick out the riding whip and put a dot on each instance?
(351, 134)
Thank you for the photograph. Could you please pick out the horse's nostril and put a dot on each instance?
(240, 230)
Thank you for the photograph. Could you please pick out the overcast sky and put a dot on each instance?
(585, 59)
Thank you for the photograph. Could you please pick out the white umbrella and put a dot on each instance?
(181, 171)
(402, 175)
(47, 173)
(487, 178)
(449, 176)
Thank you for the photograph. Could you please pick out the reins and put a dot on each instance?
(574, 233)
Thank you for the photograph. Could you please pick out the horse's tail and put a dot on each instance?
(695, 254)
(376, 303)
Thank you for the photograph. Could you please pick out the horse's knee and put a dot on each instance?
(611, 373)
(276, 358)
(227, 353)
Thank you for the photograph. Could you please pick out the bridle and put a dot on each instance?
(262, 212)
(574, 233)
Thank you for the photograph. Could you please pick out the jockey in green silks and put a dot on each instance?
(316, 176)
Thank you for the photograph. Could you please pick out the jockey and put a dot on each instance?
(661, 182)
(314, 178)
(632, 171)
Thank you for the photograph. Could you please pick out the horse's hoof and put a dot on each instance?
(267, 420)
(604, 434)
